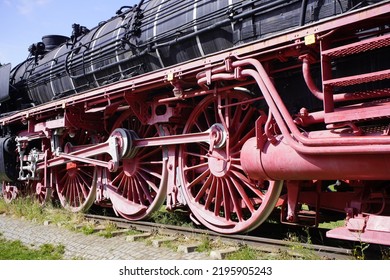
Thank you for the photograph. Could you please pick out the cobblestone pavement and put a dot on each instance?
(90, 247)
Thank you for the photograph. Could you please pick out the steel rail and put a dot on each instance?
(268, 245)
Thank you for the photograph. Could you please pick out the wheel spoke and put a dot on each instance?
(233, 195)
(203, 189)
(243, 195)
(218, 199)
(247, 183)
(211, 195)
(196, 167)
(198, 179)
(226, 200)
(149, 182)
(241, 141)
(151, 172)
(196, 155)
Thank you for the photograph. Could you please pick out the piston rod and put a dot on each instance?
(215, 134)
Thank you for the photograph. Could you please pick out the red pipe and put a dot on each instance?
(283, 117)
(302, 144)
(308, 79)
(336, 97)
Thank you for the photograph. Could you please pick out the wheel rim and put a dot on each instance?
(76, 183)
(138, 188)
(217, 190)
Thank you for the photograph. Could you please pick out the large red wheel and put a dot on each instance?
(217, 190)
(76, 182)
(138, 188)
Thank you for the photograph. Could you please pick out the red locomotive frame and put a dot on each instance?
(192, 135)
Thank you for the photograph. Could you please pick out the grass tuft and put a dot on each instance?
(16, 250)
(244, 253)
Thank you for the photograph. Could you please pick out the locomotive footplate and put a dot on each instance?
(367, 229)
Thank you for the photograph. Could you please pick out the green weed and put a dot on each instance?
(205, 245)
(16, 250)
(176, 218)
(244, 253)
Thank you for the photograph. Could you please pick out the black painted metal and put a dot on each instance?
(153, 35)
(7, 159)
(5, 71)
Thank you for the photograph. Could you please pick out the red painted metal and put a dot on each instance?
(42, 194)
(76, 188)
(364, 229)
(217, 191)
(138, 188)
(106, 94)
(228, 159)
(362, 111)
(9, 192)
(347, 145)
(339, 97)
(76, 185)
(280, 161)
(214, 134)
(358, 79)
(359, 47)
(116, 146)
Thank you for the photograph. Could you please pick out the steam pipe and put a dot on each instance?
(302, 144)
(274, 100)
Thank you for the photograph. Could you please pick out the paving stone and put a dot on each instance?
(158, 242)
(188, 248)
(136, 237)
(119, 232)
(221, 254)
(88, 247)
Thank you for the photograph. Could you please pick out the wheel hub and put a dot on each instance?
(72, 172)
(130, 167)
(218, 163)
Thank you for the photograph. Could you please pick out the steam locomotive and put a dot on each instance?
(229, 108)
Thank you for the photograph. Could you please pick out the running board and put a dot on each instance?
(369, 229)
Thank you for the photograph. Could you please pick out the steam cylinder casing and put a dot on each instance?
(279, 161)
(153, 35)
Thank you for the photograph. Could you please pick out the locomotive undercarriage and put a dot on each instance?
(222, 136)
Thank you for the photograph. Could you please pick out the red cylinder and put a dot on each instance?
(281, 162)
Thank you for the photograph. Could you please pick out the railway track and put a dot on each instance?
(261, 244)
